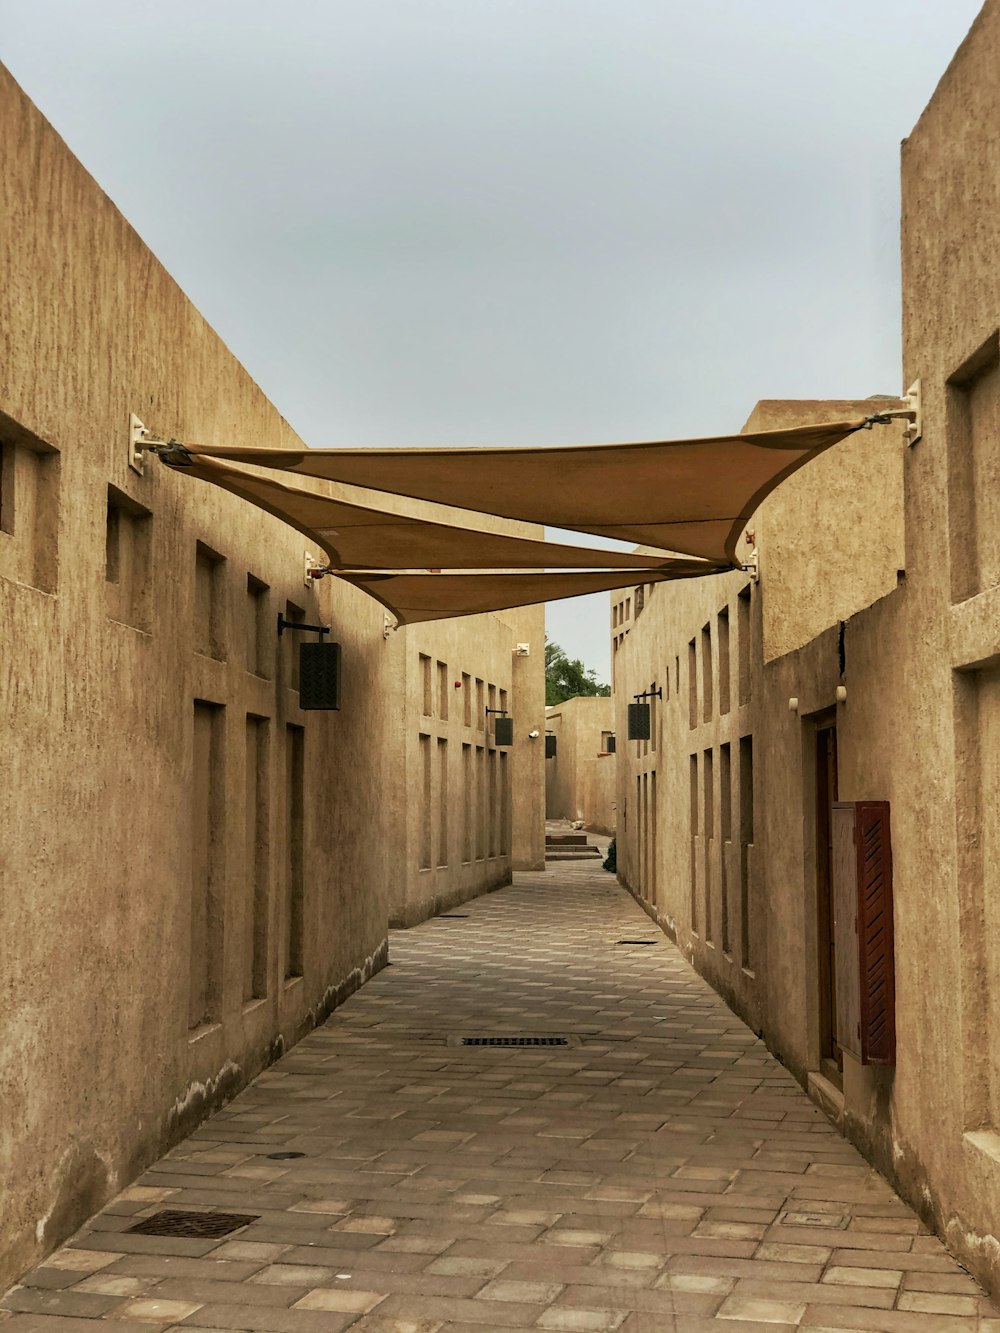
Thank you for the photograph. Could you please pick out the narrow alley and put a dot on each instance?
(659, 1172)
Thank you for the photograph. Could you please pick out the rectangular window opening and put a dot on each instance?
(259, 629)
(442, 680)
(726, 831)
(258, 855)
(424, 663)
(426, 785)
(208, 841)
(209, 629)
(746, 847)
(723, 635)
(693, 819)
(708, 775)
(707, 706)
(743, 644)
(692, 685)
(295, 849)
(442, 792)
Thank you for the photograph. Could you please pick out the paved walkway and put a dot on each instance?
(661, 1174)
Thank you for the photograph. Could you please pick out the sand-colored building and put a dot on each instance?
(194, 870)
(580, 770)
(864, 666)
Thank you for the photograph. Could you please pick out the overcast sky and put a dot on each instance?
(424, 222)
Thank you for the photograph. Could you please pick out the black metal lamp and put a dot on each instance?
(503, 727)
(639, 722)
(319, 668)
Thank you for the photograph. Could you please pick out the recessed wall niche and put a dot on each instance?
(29, 507)
(127, 560)
(209, 611)
(973, 430)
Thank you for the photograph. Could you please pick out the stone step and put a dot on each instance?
(565, 839)
(572, 854)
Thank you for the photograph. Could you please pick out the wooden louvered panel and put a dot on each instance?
(875, 935)
(844, 901)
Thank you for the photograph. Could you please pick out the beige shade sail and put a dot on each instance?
(691, 496)
(358, 537)
(415, 597)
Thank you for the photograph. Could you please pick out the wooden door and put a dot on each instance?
(826, 796)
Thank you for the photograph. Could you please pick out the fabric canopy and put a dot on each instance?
(415, 597)
(690, 496)
(357, 537)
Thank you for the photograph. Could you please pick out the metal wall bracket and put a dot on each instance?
(284, 624)
(313, 570)
(752, 566)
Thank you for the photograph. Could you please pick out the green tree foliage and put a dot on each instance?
(566, 678)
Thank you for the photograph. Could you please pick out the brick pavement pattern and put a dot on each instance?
(660, 1174)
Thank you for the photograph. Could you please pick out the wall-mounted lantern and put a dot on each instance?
(503, 727)
(319, 668)
(639, 723)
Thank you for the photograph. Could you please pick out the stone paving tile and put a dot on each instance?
(660, 1174)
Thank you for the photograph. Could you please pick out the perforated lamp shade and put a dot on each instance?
(503, 730)
(638, 722)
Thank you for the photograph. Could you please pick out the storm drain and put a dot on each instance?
(515, 1041)
(173, 1223)
(453, 916)
(635, 941)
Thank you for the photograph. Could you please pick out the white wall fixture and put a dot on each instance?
(522, 650)
(914, 401)
(842, 694)
(793, 705)
(138, 436)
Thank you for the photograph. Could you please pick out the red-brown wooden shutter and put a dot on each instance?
(875, 939)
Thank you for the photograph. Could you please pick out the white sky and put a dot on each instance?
(424, 222)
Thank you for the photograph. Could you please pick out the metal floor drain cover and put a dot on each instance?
(453, 916)
(173, 1223)
(283, 1156)
(636, 941)
(830, 1221)
(515, 1041)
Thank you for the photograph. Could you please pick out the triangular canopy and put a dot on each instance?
(358, 537)
(415, 597)
(691, 496)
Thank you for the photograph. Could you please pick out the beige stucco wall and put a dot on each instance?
(580, 778)
(689, 809)
(465, 812)
(944, 1126)
(912, 640)
(194, 871)
(828, 546)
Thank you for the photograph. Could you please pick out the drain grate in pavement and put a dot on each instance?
(173, 1223)
(832, 1221)
(453, 916)
(515, 1041)
(635, 941)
